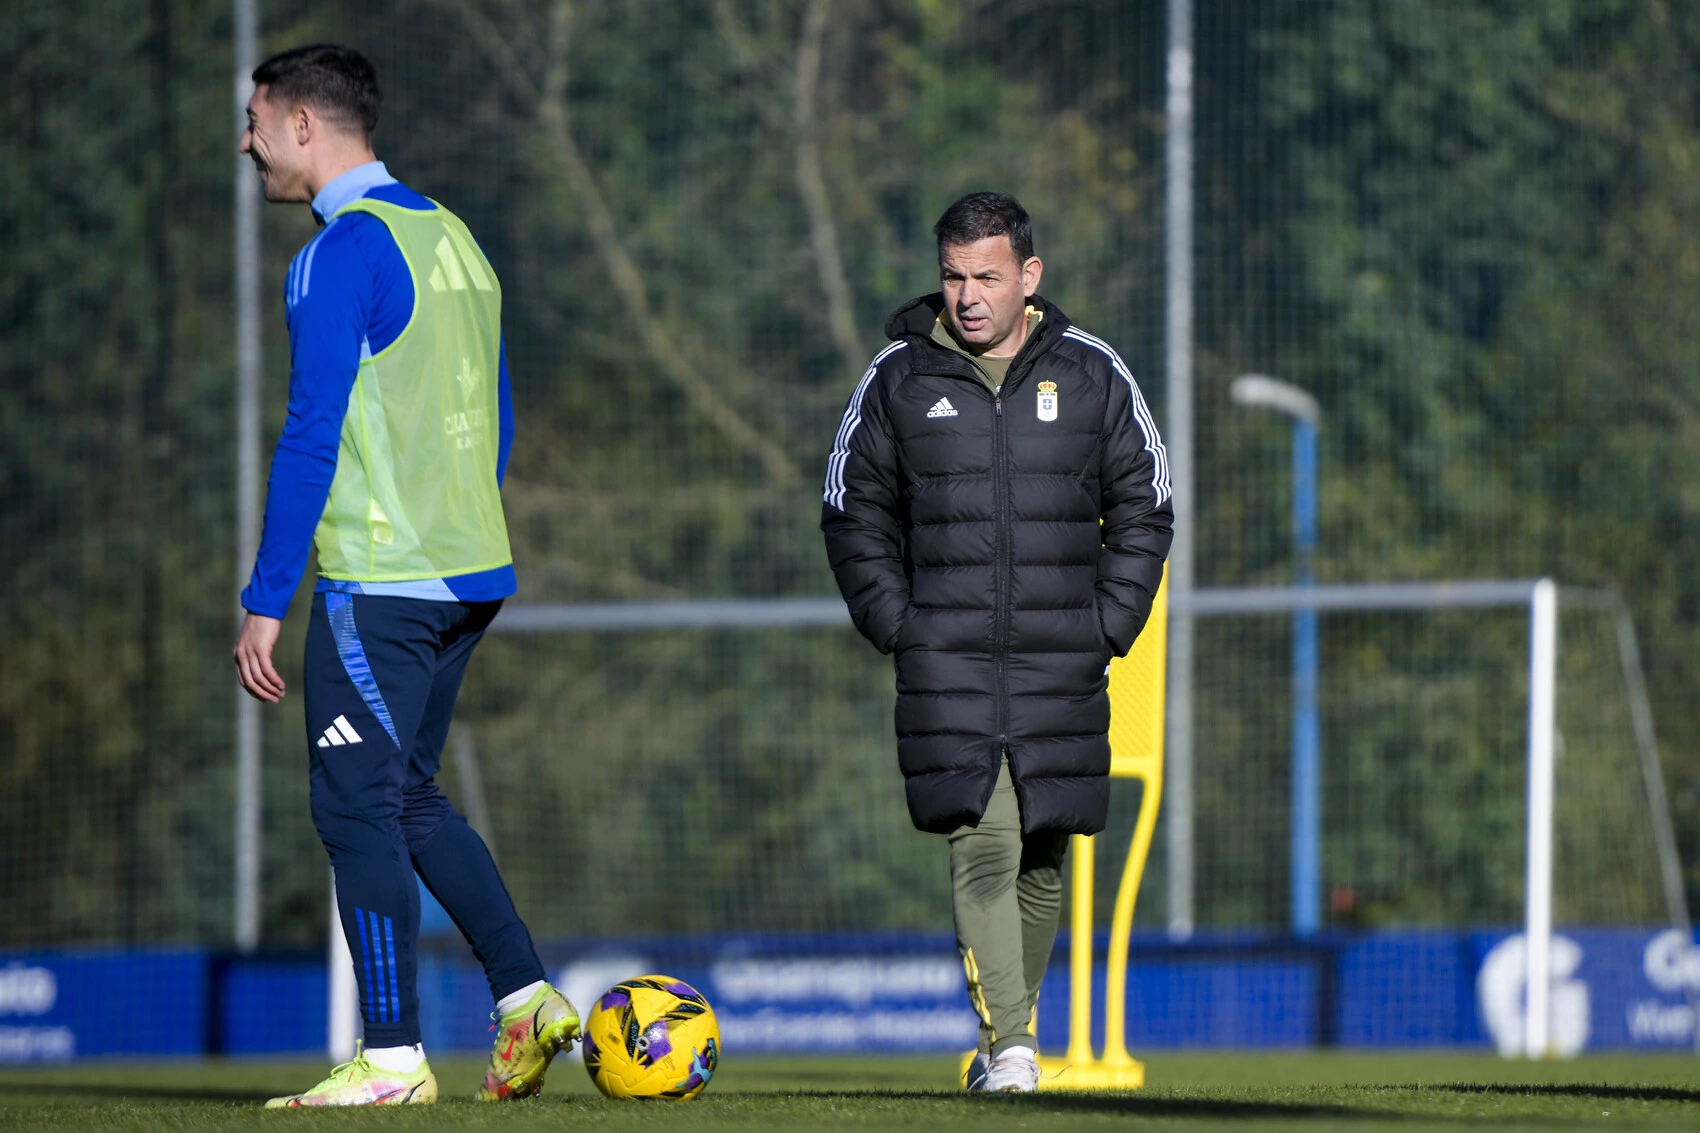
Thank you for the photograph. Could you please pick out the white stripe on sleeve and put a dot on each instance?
(289, 285)
(1141, 413)
(834, 490)
(307, 265)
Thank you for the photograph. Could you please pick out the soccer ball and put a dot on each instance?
(651, 1037)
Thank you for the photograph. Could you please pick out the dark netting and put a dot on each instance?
(1471, 230)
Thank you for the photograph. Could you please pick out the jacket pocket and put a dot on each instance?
(1105, 646)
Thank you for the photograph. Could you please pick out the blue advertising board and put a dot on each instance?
(1612, 989)
(60, 1005)
(781, 995)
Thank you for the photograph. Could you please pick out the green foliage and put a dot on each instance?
(1470, 227)
(1495, 229)
(113, 506)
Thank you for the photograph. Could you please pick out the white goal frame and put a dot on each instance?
(1541, 597)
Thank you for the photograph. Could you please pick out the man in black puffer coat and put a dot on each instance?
(997, 515)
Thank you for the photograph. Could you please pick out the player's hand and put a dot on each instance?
(253, 656)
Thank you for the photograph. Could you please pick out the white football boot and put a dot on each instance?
(1015, 1071)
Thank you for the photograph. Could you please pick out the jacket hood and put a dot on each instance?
(915, 318)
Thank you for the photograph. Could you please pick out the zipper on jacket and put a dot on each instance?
(1000, 612)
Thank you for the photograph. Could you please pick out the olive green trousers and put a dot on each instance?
(1007, 892)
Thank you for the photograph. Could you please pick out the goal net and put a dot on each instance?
(1435, 849)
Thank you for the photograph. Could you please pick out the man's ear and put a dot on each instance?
(1030, 273)
(304, 123)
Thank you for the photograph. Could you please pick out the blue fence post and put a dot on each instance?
(1307, 728)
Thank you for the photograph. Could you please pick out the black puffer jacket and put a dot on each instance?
(965, 534)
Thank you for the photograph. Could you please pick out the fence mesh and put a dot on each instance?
(1468, 228)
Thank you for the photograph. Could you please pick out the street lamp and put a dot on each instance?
(1263, 392)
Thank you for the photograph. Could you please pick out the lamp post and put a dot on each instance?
(1264, 392)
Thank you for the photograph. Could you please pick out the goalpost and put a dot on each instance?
(1542, 600)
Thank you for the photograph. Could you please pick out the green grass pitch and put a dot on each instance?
(1407, 1092)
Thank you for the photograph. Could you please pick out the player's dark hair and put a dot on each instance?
(979, 215)
(339, 83)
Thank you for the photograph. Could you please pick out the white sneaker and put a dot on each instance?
(974, 1081)
(1015, 1071)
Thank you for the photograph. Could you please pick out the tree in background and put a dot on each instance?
(1467, 226)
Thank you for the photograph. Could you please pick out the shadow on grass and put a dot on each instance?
(1572, 1090)
(1125, 1105)
(1199, 1108)
(86, 1089)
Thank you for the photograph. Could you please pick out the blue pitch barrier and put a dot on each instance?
(1613, 989)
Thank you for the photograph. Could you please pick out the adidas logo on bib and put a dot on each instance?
(943, 409)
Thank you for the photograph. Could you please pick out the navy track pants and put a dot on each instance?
(380, 681)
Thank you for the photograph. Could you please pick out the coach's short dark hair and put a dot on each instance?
(339, 83)
(979, 215)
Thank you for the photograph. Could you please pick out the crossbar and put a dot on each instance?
(630, 617)
(1224, 601)
(1238, 600)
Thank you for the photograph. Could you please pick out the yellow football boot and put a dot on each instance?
(360, 1083)
(526, 1039)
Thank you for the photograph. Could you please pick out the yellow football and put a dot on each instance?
(651, 1037)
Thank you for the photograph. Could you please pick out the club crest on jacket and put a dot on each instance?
(1047, 401)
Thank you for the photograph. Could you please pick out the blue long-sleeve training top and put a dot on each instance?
(348, 295)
